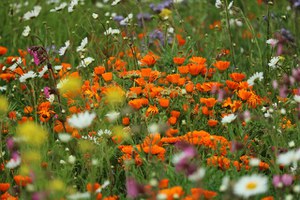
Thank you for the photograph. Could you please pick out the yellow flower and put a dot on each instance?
(31, 134)
(70, 87)
(115, 95)
(57, 185)
(3, 104)
(165, 13)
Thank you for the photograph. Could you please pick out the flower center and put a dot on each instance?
(251, 185)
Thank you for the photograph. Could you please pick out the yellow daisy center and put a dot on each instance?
(251, 185)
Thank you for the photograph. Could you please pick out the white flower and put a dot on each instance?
(115, 2)
(111, 31)
(153, 128)
(225, 184)
(64, 137)
(16, 64)
(81, 120)
(95, 16)
(198, 175)
(251, 185)
(112, 116)
(297, 98)
(72, 5)
(291, 144)
(13, 162)
(254, 162)
(71, 159)
(82, 45)
(26, 31)
(63, 49)
(218, 4)
(228, 119)
(43, 71)
(274, 62)
(24, 77)
(292, 156)
(60, 7)
(230, 5)
(3, 88)
(257, 75)
(272, 42)
(33, 13)
(86, 62)
(105, 132)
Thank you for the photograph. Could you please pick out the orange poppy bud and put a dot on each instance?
(3, 50)
(212, 123)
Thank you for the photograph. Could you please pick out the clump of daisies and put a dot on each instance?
(257, 76)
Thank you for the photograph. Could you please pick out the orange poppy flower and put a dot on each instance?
(148, 60)
(209, 102)
(3, 50)
(180, 40)
(28, 109)
(195, 69)
(237, 77)
(99, 70)
(268, 198)
(164, 102)
(222, 65)
(183, 69)
(198, 60)
(170, 192)
(7, 196)
(152, 110)
(244, 94)
(175, 113)
(220, 161)
(232, 85)
(107, 76)
(113, 197)
(189, 87)
(163, 183)
(212, 122)
(92, 187)
(178, 60)
(4, 187)
(22, 180)
(199, 193)
(172, 120)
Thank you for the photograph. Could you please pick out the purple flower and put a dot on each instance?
(277, 181)
(39, 54)
(133, 188)
(47, 92)
(10, 143)
(118, 18)
(287, 179)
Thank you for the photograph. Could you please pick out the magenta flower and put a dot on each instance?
(39, 54)
(47, 92)
(133, 188)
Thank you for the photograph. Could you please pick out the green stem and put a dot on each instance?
(229, 33)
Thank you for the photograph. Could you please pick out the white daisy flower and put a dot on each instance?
(63, 49)
(82, 45)
(257, 75)
(95, 15)
(44, 70)
(225, 184)
(111, 31)
(33, 13)
(81, 120)
(60, 7)
(274, 62)
(251, 185)
(71, 159)
(292, 156)
(3, 88)
(228, 119)
(112, 116)
(72, 5)
(254, 162)
(115, 2)
(86, 62)
(28, 75)
(26, 31)
(16, 64)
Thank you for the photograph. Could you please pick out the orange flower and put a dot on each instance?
(125, 121)
(107, 76)
(99, 70)
(195, 69)
(198, 60)
(244, 94)
(4, 187)
(199, 193)
(28, 109)
(164, 102)
(7, 196)
(3, 50)
(163, 183)
(148, 60)
(189, 87)
(152, 110)
(172, 120)
(175, 113)
(22, 180)
(220, 161)
(212, 122)
(114, 197)
(237, 77)
(180, 40)
(209, 102)
(183, 69)
(268, 198)
(232, 85)
(222, 65)
(92, 187)
(170, 192)
(178, 60)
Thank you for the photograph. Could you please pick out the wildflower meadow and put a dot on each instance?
(149, 99)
